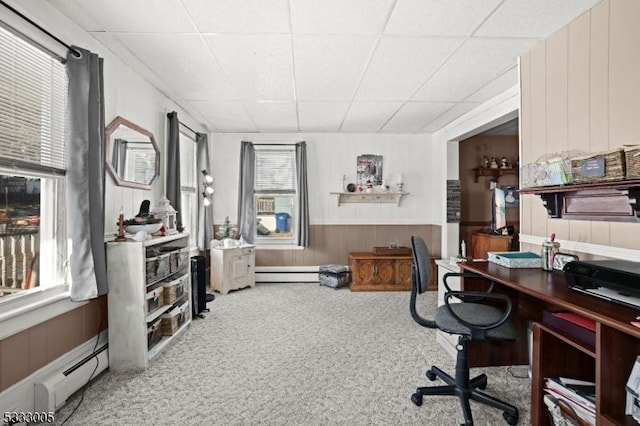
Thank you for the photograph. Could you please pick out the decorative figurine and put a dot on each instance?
(485, 162)
(494, 164)
(121, 237)
(504, 164)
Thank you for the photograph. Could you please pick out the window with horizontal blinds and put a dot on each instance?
(275, 171)
(33, 92)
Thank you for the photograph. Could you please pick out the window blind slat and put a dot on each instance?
(33, 89)
(275, 171)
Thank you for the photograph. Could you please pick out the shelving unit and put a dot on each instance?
(494, 173)
(140, 275)
(369, 197)
(607, 201)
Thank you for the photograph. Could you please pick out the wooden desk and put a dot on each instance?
(555, 353)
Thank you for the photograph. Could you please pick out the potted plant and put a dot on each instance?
(226, 232)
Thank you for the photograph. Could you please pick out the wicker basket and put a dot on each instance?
(632, 161)
(614, 167)
(173, 320)
(174, 290)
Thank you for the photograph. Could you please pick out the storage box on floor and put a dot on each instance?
(334, 276)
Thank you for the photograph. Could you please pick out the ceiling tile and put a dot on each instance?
(438, 18)
(75, 10)
(260, 67)
(330, 67)
(448, 116)
(142, 16)
(279, 117)
(226, 116)
(473, 66)
(183, 62)
(526, 18)
(413, 116)
(369, 116)
(339, 16)
(496, 86)
(321, 116)
(246, 16)
(400, 65)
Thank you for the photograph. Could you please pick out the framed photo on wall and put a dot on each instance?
(511, 197)
(369, 168)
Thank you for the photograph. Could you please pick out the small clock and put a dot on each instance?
(561, 259)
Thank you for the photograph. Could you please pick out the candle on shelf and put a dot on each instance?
(400, 183)
(121, 236)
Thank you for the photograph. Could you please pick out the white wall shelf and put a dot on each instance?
(369, 197)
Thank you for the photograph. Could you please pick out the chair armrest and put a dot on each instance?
(473, 295)
(467, 275)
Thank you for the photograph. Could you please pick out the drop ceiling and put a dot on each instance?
(366, 66)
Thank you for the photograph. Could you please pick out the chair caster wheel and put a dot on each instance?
(512, 420)
(431, 375)
(416, 399)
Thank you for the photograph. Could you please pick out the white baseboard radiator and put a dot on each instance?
(286, 274)
(52, 391)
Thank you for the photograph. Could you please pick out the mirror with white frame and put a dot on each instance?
(132, 155)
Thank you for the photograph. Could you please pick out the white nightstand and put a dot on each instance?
(232, 268)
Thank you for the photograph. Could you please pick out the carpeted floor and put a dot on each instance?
(295, 354)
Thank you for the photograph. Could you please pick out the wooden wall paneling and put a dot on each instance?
(624, 93)
(538, 141)
(557, 93)
(599, 78)
(557, 108)
(599, 99)
(578, 134)
(624, 68)
(14, 359)
(525, 138)
(65, 332)
(578, 128)
(95, 317)
(37, 347)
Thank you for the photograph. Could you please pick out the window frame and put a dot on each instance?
(264, 241)
(50, 298)
(189, 190)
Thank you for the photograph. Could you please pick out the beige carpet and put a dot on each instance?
(295, 354)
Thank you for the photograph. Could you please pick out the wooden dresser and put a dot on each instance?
(372, 272)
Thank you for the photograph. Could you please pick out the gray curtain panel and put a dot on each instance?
(302, 235)
(246, 214)
(205, 213)
(84, 179)
(173, 167)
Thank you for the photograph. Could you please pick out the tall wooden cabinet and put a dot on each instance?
(481, 243)
(233, 268)
(149, 298)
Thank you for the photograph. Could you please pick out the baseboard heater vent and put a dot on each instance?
(53, 391)
(286, 274)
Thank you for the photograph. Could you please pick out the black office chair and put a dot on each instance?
(472, 321)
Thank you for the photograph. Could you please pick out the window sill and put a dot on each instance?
(31, 309)
(263, 246)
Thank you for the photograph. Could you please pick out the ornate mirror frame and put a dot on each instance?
(123, 139)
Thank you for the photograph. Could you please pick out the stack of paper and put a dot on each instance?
(577, 394)
(633, 392)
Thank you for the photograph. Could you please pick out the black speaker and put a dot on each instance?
(198, 287)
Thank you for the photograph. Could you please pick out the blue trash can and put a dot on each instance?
(282, 222)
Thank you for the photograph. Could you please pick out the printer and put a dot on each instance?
(614, 280)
